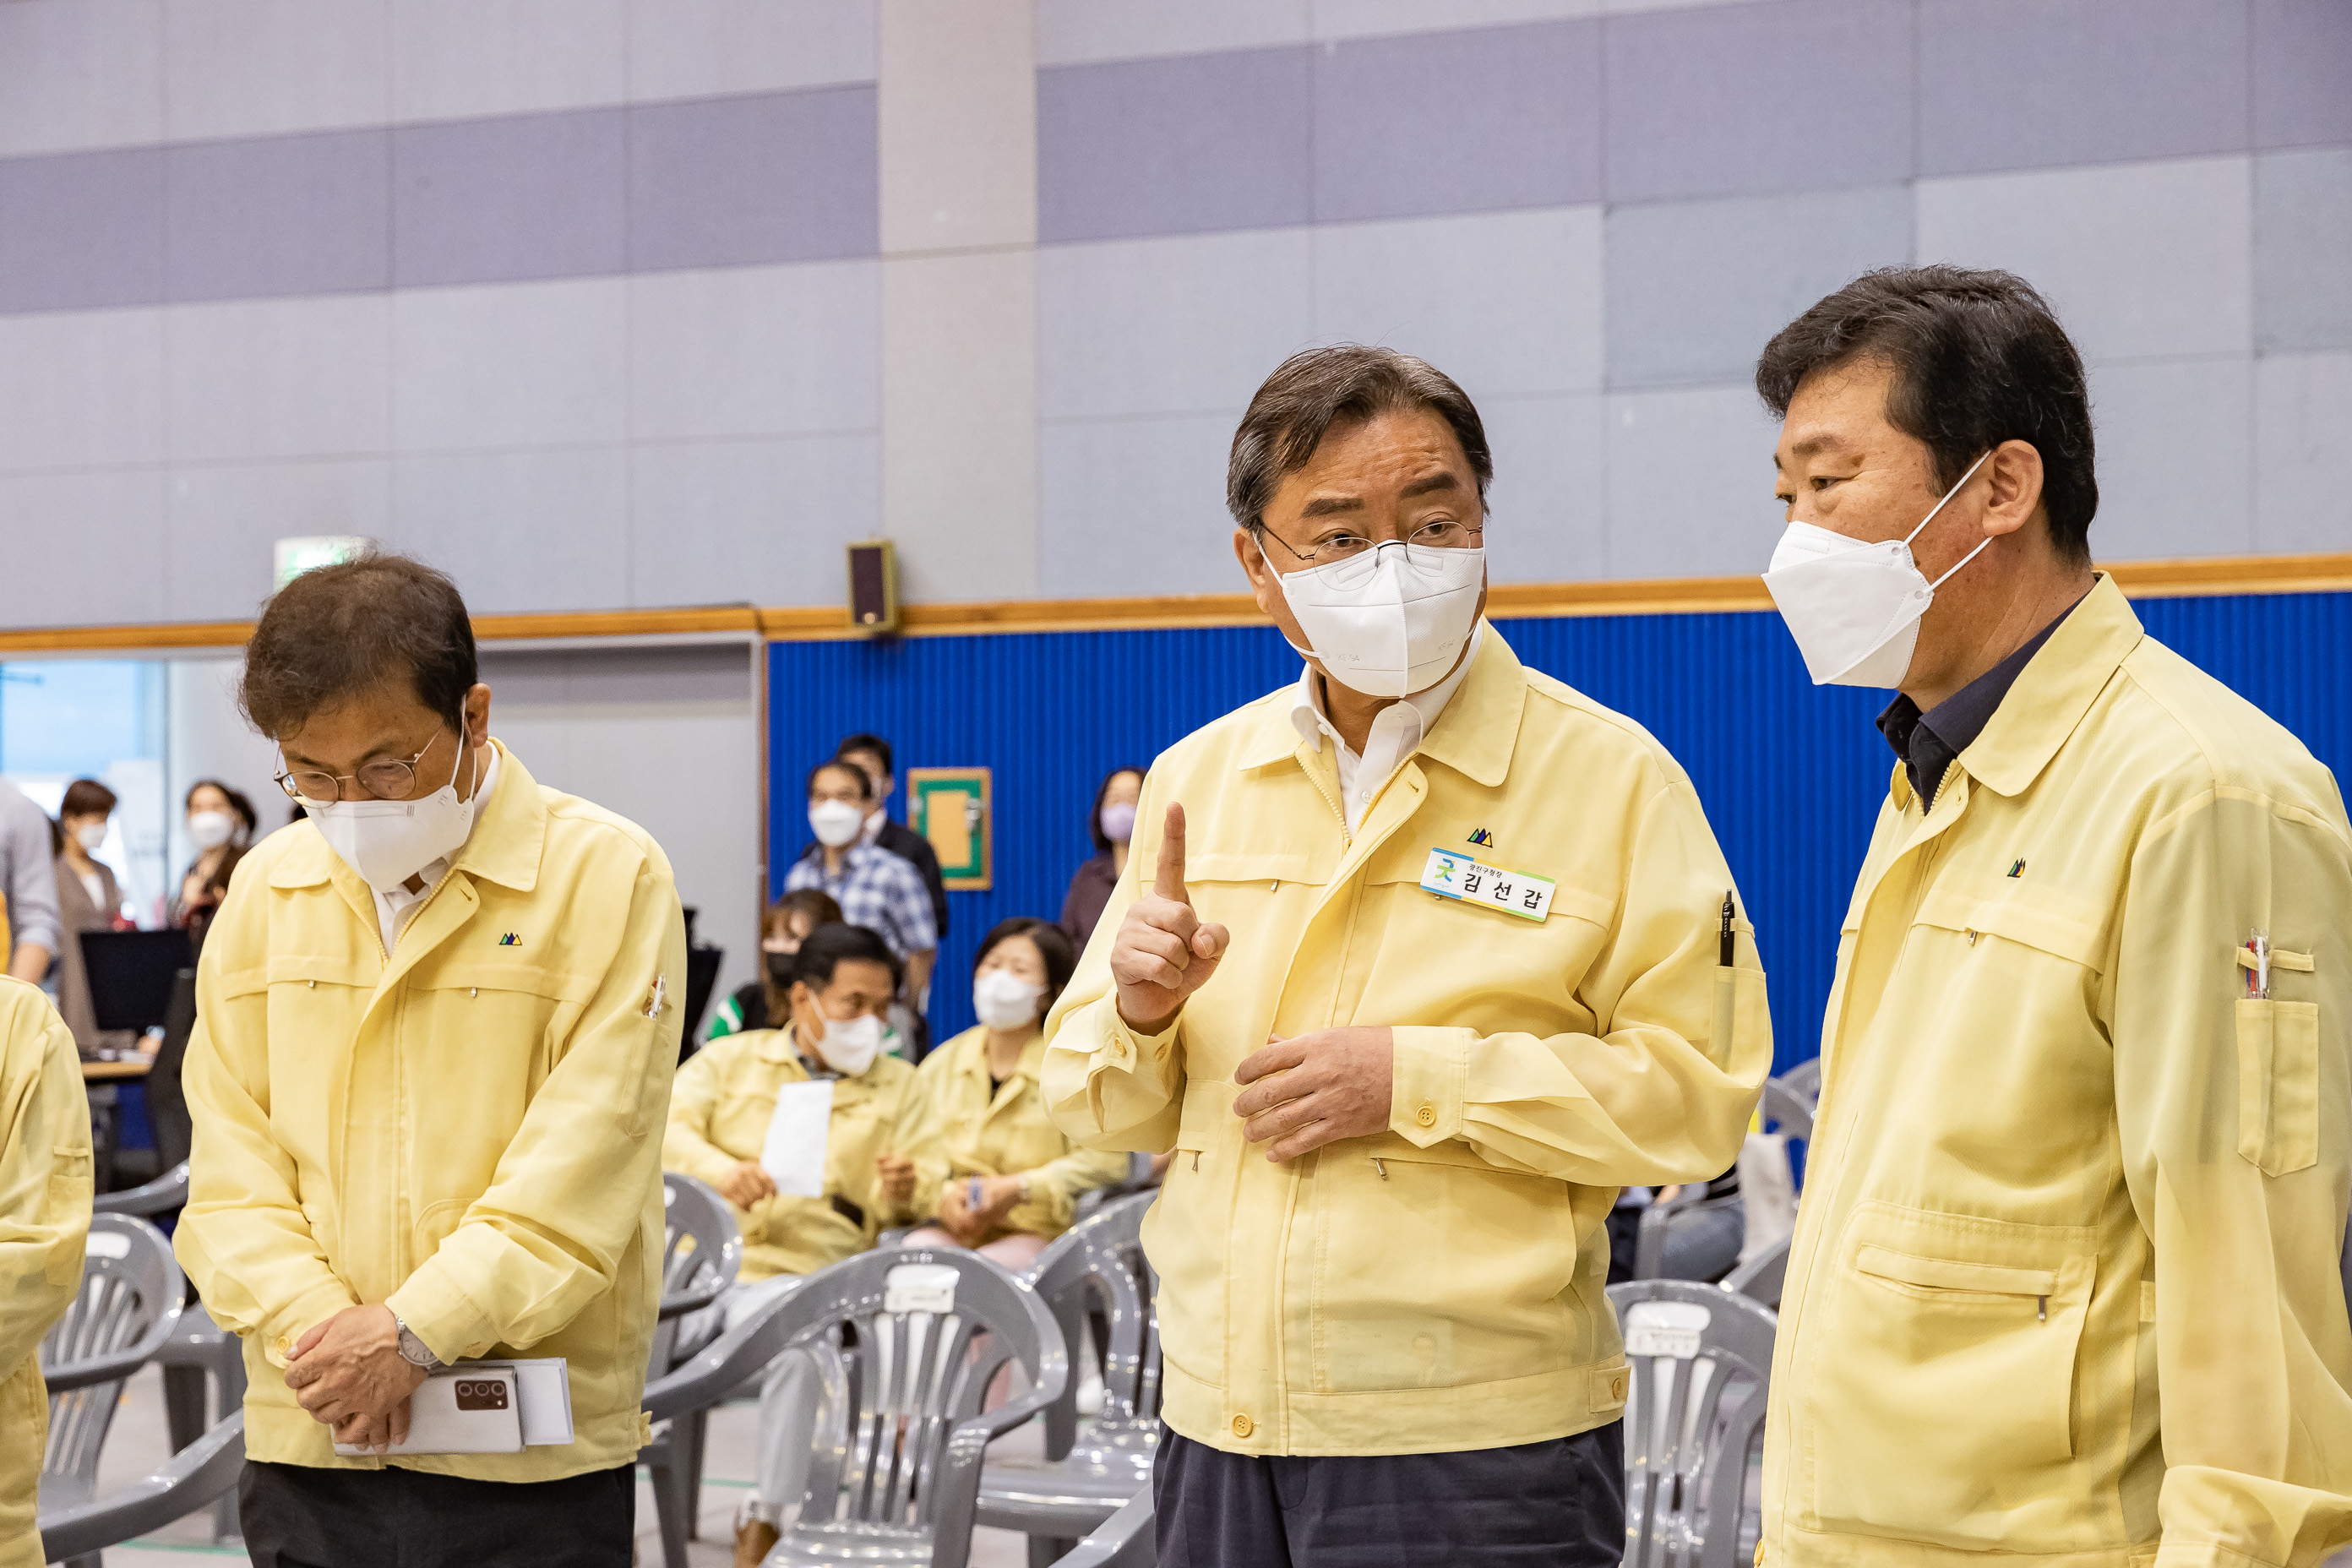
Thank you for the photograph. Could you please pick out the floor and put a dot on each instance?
(136, 1444)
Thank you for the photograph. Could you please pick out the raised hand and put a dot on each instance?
(1163, 953)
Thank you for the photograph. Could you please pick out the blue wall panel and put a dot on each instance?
(1791, 776)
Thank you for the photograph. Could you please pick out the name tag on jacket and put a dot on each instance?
(1452, 876)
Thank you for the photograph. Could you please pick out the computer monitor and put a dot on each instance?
(130, 974)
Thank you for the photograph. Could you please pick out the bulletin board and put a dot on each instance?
(951, 807)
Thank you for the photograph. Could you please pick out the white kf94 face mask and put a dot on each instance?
(848, 1045)
(1853, 608)
(389, 841)
(836, 822)
(1389, 621)
(1003, 1000)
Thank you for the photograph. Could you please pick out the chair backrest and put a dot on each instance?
(128, 1307)
(1701, 1358)
(1101, 1258)
(165, 1192)
(1804, 1080)
(702, 1250)
(1789, 1105)
(905, 1345)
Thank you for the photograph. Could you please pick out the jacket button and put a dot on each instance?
(1426, 1115)
(1242, 1426)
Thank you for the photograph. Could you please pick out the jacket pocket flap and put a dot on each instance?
(489, 974)
(2280, 959)
(2032, 922)
(1948, 1274)
(299, 966)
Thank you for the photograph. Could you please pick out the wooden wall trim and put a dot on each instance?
(1676, 595)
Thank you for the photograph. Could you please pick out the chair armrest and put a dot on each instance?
(1760, 1277)
(718, 1368)
(1126, 1539)
(197, 1474)
(692, 1300)
(167, 1191)
(1650, 1238)
(956, 1491)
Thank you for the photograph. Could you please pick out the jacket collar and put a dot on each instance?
(1474, 735)
(2054, 692)
(509, 837)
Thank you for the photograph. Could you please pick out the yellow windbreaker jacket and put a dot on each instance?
(956, 1126)
(1436, 1287)
(2064, 1284)
(44, 1187)
(470, 1133)
(718, 1116)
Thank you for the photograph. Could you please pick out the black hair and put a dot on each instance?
(873, 743)
(342, 631)
(1316, 389)
(239, 805)
(1976, 358)
(1093, 818)
(1052, 944)
(828, 947)
(864, 782)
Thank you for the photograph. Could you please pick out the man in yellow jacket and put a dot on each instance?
(845, 979)
(1413, 966)
(438, 1025)
(44, 1187)
(2064, 1286)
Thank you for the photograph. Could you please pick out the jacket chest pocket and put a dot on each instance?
(1433, 1270)
(1939, 1383)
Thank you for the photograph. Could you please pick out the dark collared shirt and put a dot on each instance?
(1926, 742)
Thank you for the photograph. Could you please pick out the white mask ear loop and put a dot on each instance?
(1939, 506)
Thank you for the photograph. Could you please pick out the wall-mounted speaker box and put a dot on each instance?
(873, 587)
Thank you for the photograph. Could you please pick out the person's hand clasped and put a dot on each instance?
(347, 1373)
(1163, 953)
(746, 1183)
(1317, 1088)
(999, 1195)
(896, 1174)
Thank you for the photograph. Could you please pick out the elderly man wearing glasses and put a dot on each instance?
(1414, 965)
(438, 1025)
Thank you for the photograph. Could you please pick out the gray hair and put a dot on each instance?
(1316, 389)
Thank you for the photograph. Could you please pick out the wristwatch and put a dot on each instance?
(413, 1350)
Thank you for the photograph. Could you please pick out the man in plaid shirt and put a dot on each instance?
(874, 888)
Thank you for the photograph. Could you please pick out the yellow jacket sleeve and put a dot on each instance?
(549, 1234)
(693, 1100)
(2233, 1114)
(243, 1238)
(1657, 1094)
(1106, 1086)
(44, 1171)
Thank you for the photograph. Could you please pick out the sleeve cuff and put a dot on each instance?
(1431, 1067)
(443, 1316)
(285, 1327)
(1121, 1048)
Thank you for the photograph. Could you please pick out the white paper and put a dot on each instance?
(793, 1154)
(1768, 1193)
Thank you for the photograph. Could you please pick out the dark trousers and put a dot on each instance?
(1559, 1504)
(301, 1516)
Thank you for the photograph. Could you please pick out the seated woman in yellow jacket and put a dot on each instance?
(988, 1163)
(719, 1110)
(44, 1216)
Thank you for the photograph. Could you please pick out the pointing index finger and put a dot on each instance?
(1168, 874)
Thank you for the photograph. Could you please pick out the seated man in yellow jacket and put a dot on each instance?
(843, 979)
(2064, 1286)
(1413, 965)
(44, 1187)
(437, 1025)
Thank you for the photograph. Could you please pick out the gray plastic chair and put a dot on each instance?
(702, 1253)
(1791, 1105)
(894, 1477)
(1088, 1474)
(1701, 1358)
(1760, 1277)
(1650, 1237)
(683, 1394)
(128, 1307)
(1126, 1539)
(200, 1473)
(1804, 1080)
(161, 1196)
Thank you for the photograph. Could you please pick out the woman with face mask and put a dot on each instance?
(720, 1107)
(221, 823)
(1112, 824)
(767, 1003)
(985, 1160)
(89, 899)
